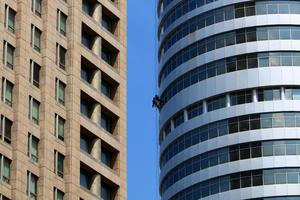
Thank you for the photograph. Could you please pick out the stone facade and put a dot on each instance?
(75, 158)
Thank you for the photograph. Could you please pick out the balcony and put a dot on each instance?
(100, 47)
(100, 81)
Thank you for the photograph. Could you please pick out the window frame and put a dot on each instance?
(57, 158)
(7, 86)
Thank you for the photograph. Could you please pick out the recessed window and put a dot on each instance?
(87, 105)
(107, 56)
(7, 92)
(34, 74)
(2, 197)
(59, 164)
(60, 92)
(107, 157)
(10, 16)
(61, 56)
(58, 194)
(107, 23)
(106, 89)
(32, 181)
(36, 7)
(106, 123)
(33, 143)
(8, 55)
(5, 169)
(86, 140)
(34, 110)
(87, 7)
(59, 127)
(36, 38)
(5, 129)
(61, 22)
(85, 179)
(268, 94)
(107, 192)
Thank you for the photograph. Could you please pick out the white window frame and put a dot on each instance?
(2, 197)
(30, 140)
(57, 172)
(31, 100)
(3, 124)
(9, 65)
(34, 29)
(56, 191)
(58, 61)
(4, 88)
(31, 74)
(29, 194)
(58, 23)
(34, 10)
(2, 167)
(57, 86)
(57, 117)
(8, 9)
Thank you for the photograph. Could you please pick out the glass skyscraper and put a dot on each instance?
(229, 94)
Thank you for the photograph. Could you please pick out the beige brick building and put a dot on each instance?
(63, 100)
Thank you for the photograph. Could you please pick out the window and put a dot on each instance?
(107, 23)
(178, 119)
(8, 55)
(61, 23)
(37, 7)
(36, 38)
(58, 194)
(216, 103)
(7, 92)
(5, 169)
(59, 164)
(10, 16)
(107, 56)
(85, 179)
(2, 197)
(106, 157)
(33, 143)
(59, 127)
(268, 94)
(86, 108)
(85, 143)
(88, 70)
(34, 110)
(106, 89)
(32, 181)
(5, 129)
(34, 74)
(87, 7)
(106, 192)
(61, 56)
(60, 92)
(292, 94)
(106, 123)
(241, 97)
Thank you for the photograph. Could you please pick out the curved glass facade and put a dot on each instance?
(230, 154)
(231, 38)
(240, 180)
(235, 11)
(229, 99)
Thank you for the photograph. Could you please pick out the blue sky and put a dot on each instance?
(142, 140)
